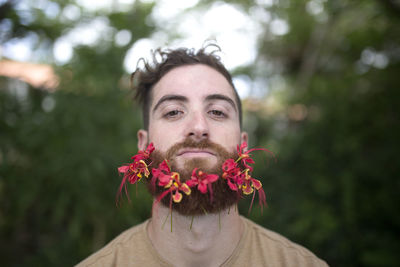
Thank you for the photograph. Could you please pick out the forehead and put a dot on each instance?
(194, 82)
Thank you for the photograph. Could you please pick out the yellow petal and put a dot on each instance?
(169, 184)
(247, 190)
(247, 176)
(146, 172)
(185, 189)
(175, 176)
(177, 197)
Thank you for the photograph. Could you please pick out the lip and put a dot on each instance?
(193, 152)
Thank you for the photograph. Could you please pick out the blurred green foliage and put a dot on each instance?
(334, 187)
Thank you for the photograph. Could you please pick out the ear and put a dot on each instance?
(244, 137)
(143, 140)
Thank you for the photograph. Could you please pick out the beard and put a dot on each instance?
(196, 203)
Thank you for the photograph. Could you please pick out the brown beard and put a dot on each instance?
(196, 203)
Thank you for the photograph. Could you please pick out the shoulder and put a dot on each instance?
(120, 249)
(278, 248)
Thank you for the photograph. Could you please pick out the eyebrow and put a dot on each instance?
(182, 98)
(222, 97)
(166, 98)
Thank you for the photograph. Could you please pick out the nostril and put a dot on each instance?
(197, 136)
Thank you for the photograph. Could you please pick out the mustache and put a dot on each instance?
(202, 144)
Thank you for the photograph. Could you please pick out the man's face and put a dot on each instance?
(193, 102)
(194, 122)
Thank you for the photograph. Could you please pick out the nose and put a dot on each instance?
(197, 127)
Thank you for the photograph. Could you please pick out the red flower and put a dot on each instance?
(177, 186)
(134, 171)
(144, 154)
(242, 180)
(229, 166)
(169, 180)
(250, 183)
(232, 173)
(248, 187)
(202, 180)
(237, 174)
(162, 174)
(245, 156)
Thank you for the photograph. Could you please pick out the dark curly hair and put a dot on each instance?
(143, 79)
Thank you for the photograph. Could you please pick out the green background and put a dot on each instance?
(334, 127)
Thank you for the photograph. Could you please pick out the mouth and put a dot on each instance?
(193, 152)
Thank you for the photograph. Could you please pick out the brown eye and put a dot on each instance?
(217, 113)
(173, 114)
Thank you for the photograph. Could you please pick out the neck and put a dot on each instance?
(205, 240)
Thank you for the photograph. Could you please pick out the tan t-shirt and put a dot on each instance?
(257, 247)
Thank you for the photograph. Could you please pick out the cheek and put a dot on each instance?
(229, 137)
(162, 139)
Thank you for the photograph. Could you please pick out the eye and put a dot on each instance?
(217, 113)
(172, 114)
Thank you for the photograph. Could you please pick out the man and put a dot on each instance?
(192, 116)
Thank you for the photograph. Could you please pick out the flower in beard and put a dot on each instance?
(162, 174)
(250, 183)
(248, 187)
(134, 171)
(170, 181)
(203, 181)
(241, 180)
(197, 203)
(245, 156)
(232, 174)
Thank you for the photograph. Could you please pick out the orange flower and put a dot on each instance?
(203, 181)
(248, 187)
(232, 174)
(171, 181)
(237, 174)
(134, 171)
(242, 180)
(245, 157)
